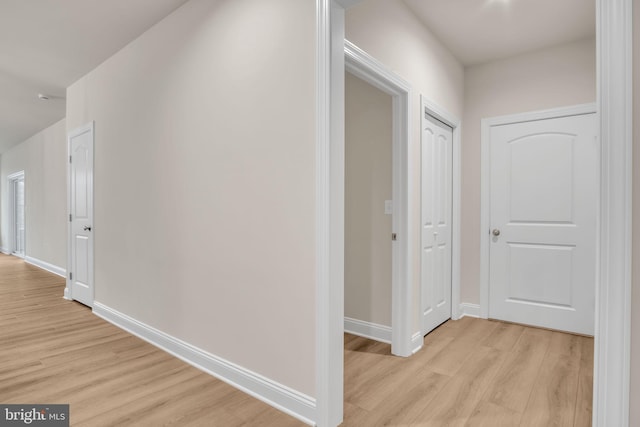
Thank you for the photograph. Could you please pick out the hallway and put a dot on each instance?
(470, 372)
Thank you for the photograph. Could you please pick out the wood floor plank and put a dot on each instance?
(504, 336)
(454, 356)
(460, 396)
(516, 378)
(553, 399)
(584, 398)
(369, 388)
(405, 404)
(567, 344)
(385, 379)
(488, 414)
(354, 416)
(533, 339)
(586, 353)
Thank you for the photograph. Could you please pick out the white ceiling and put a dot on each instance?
(478, 31)
(45, 45)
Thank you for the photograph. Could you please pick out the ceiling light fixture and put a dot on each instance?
(43, 97)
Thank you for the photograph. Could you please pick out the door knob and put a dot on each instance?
(87, 228)
(496, 232)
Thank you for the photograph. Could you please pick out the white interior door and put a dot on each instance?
(19, 217)
(18, 222)
(544, 200)
(81, 214)
(436, 148)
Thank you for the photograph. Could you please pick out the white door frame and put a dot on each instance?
(89, 127)
(485, 183)
(612, 353)
(365, 67)
(330, 63)
(11, 180)
(613, 290)
(439, 113)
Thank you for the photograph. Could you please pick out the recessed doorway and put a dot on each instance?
(17, 231)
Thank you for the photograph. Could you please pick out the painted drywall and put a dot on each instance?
(43, 160)
(556, 77)
(380, 27)
(205, 181)
(634, 394)
(367, 247)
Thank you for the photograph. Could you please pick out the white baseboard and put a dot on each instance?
(290, 401)
(470, 310)
(370, 330)
(417, 340)
(5, 251)
(46, 266)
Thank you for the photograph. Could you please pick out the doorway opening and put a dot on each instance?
(17, 231)
(368, 241)
(361, 65)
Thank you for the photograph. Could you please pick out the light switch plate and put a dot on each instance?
(388, 207)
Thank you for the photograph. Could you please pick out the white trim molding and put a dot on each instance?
(469, 310)
(329, 231)
(370, 330)
(612, 352)
(485, 182)
(287, 400)
(51, 268)
(367, 68)
(5, 251)
(417, 341)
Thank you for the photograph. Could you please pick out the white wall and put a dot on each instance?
(43, 159)
(205, 180)
(368, 139)
(560, 76)
(390, 32)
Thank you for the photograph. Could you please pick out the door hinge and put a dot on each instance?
(70, 161)
(394, 236)
(70, 218)
(70, 276)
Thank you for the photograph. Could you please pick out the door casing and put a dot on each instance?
(363, 66)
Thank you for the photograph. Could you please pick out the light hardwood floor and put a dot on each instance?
(57, 351)
(470, 373)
